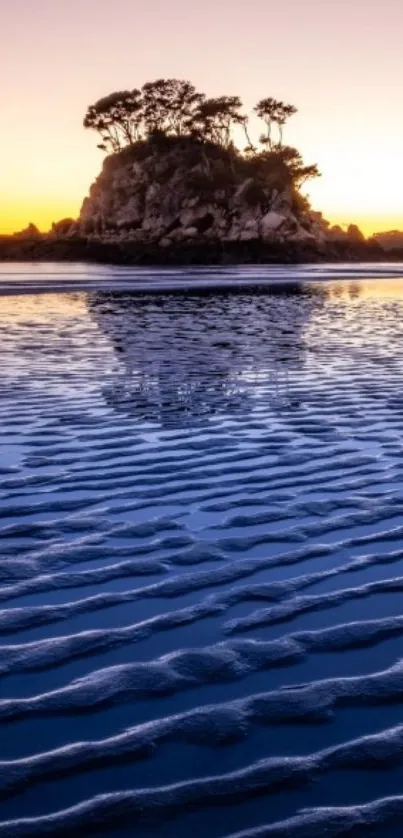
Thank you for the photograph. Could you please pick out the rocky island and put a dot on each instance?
(175, 188)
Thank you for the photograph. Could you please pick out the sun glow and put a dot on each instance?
(56, 67)
(51, 183)
(15, 215)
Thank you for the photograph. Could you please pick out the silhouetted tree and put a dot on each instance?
(300, 173)
(244, 122)
(284, 112)
(216, 117)
(117, 118)
(170, 105)
(173, 108)
(274, 112)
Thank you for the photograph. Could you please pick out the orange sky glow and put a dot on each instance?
(339, 62)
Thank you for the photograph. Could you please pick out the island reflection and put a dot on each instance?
(184, 358)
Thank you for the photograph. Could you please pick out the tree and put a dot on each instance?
(300, 173)
(117, 118)
(266, 110)
(184, 102)
(284, 112)
(173, 108)
(170, 105)
(274, 112)
(280, 169)
(215, 118)
(244, 122)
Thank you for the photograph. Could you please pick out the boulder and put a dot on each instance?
(194, 214)
(30, 232)
(302, 235)
(271, 222)
(190, 232)
(64, 227)
(336, 233)
(242, 191)
(354, 233)
(249, 235)
(282, 202)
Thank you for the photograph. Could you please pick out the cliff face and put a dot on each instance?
(190, 193)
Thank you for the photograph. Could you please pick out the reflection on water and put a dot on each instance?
(185, 357)
(201, 510)
(28, 310)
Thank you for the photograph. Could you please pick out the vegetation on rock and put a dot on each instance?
(173, 108)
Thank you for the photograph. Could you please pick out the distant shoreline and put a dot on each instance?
(89, 250)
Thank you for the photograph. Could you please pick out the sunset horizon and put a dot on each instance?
(17, 220)
(17, 215)
(57, 67)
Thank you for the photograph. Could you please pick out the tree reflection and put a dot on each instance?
(185, 357)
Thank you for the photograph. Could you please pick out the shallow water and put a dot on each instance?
(201, 554)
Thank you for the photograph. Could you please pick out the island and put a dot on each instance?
(175, 188)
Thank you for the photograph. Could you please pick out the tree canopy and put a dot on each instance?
(174, 108)
(117, 118)
(273, 112)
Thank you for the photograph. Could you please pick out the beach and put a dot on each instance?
(201, 570)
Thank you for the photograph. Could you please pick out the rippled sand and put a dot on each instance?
(201, 561)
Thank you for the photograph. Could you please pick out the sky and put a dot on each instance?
(340, 63)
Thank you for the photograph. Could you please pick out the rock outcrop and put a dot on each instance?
(181, 201)
(30, 233)
(187, 192)
(392, 240)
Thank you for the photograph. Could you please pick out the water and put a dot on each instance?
(201, 554)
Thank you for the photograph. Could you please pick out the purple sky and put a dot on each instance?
(339, 62)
